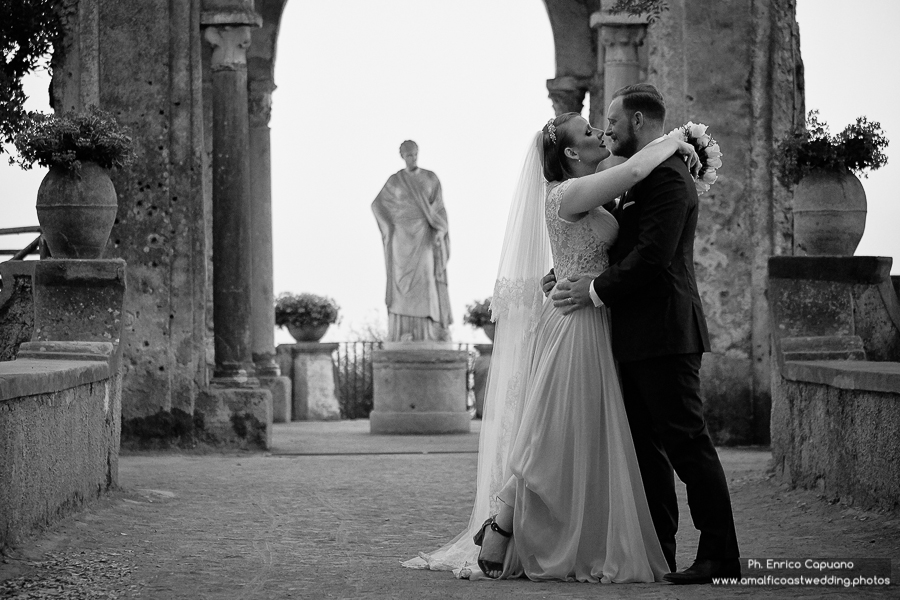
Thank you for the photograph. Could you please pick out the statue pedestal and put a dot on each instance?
(481, 368)
(419, 388)
(309, 367)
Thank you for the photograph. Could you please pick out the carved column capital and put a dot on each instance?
(260, 102)
(630, 36)
(230, 44)
(567, 93)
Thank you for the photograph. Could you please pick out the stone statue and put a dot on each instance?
(413, 221)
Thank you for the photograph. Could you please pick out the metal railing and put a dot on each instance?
(35, 247)
(353, 369)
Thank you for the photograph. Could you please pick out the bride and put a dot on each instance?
(559, 494)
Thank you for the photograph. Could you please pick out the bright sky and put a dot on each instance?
(357, 78)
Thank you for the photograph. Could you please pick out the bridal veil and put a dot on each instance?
(516, 308)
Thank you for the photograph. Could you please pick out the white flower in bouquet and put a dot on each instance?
(707, 149)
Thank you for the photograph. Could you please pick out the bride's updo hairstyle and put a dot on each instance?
(556, 139)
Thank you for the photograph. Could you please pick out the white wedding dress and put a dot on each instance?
(563, 453)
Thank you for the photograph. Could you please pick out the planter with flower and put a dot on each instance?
(76, 203)
(829, 207)
(478, 314)
(306, 316)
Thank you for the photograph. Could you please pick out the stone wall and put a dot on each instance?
(59, 440)
(836, 430)
(140, 60)
(16, 306)
(835, 423)
(736, 67)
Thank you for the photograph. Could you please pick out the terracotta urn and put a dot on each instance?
(77, 212)
(307, 333)
(829, 214)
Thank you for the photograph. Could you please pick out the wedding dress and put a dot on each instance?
(561, 452)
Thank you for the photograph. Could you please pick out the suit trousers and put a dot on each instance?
(665, 414)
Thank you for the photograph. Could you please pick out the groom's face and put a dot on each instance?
(620, 130)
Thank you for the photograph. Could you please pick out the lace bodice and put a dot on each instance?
(579, 248)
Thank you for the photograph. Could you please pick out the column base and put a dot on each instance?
(236, 417)
(280, 388)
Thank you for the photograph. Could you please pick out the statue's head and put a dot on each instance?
(569, 139)
(409, 151)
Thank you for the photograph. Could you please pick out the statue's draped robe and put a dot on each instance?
(413, 221)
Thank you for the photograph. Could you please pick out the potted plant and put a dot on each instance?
(829, 200)
(76, 203)
(306, 316)
(478, 314)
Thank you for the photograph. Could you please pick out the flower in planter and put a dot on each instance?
(478, 314)
(66, 141)
(305, 310)
(858, 148)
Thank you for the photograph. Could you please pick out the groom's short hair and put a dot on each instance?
(645, 98)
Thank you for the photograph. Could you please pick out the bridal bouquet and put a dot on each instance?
(707, 149)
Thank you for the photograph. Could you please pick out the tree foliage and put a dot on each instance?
(653, 9)
(29, 29)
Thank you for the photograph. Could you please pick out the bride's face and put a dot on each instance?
(586, 141)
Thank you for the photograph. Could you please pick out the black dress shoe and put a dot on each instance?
(703, 571)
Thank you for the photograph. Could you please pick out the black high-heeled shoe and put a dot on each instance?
(489, 565)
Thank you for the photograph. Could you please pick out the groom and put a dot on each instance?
(658, 336)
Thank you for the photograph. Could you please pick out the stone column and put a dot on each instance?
(236, 409)
(231, 206)
(262, 308)
(619, 38)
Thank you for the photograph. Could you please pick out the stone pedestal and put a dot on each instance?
(420, 388)
(239, 417)
(311, 372)
(482, 366)
(280, 387)
(79, 300)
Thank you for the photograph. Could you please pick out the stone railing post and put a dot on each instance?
(234, 391)
(619, 38)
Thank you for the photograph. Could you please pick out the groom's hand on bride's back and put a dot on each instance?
(573, 293)
(548, 282)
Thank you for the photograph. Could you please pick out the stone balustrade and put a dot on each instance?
(835, 422)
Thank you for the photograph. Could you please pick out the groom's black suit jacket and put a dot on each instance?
(650, 286)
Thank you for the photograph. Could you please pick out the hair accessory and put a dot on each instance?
(551, 129)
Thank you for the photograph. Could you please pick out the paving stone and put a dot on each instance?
(336, 512)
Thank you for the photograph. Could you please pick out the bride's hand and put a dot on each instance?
(689, 154)
(548, 283)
